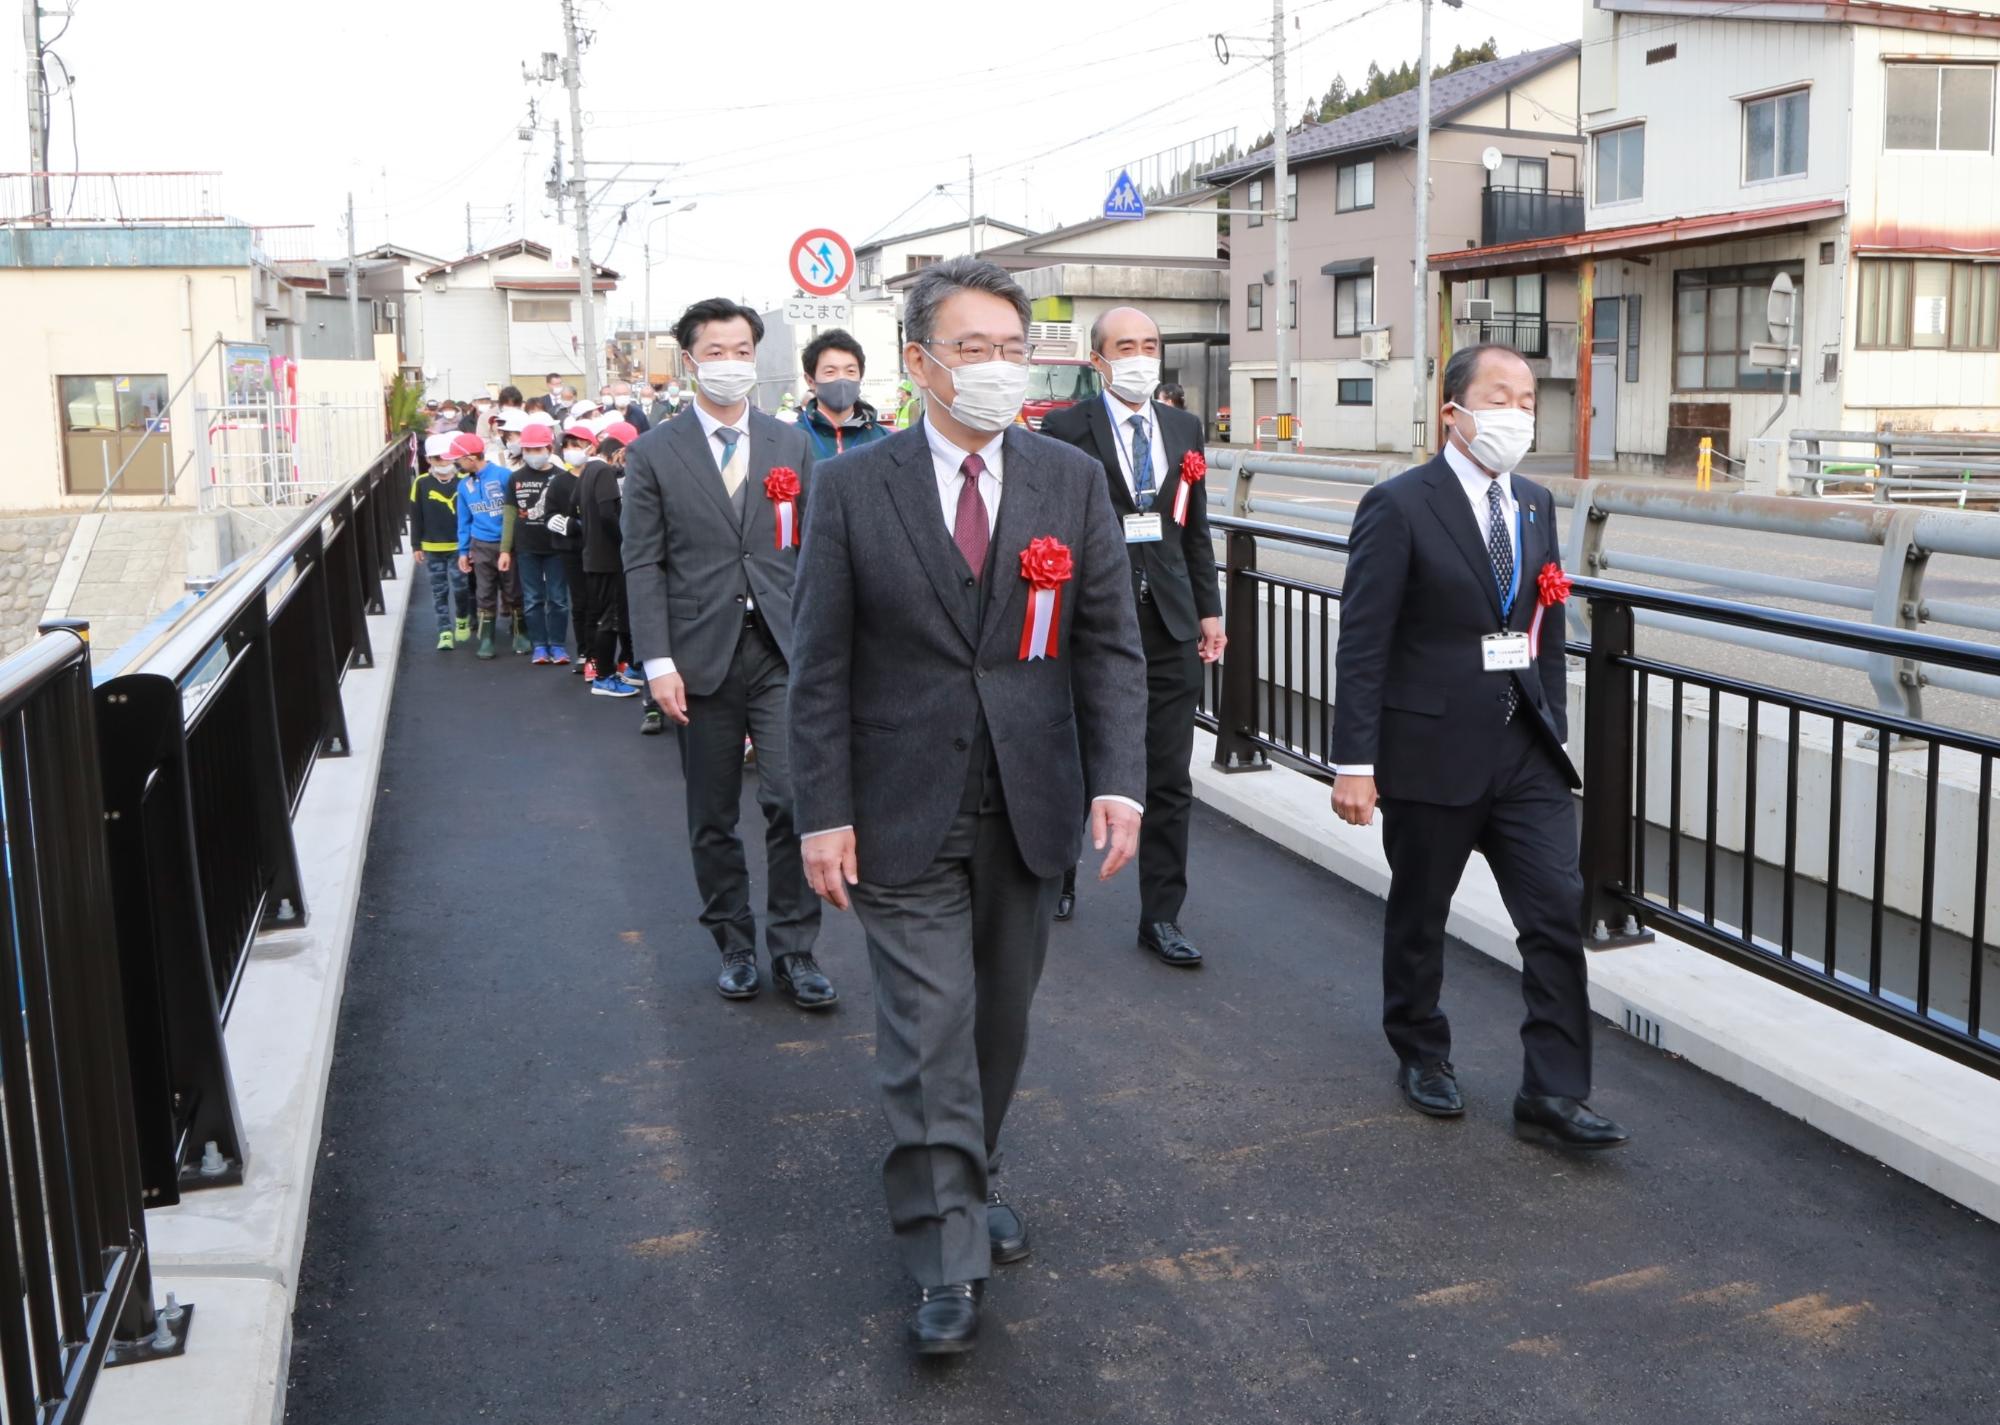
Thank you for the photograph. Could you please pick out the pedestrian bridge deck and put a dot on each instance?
(561, 1176)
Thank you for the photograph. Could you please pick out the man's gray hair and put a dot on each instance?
(1463, 368)
(959, 274)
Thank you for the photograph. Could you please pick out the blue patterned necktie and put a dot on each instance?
(1142, 462)
(1501, 549)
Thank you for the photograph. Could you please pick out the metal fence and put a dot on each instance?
(161, 196)
(73, 1251)
(209, 736)
(268, 456)
(1884, 466)
(1905, 538)
(1761, 888)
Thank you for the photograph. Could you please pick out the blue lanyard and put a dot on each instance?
(1513, 589)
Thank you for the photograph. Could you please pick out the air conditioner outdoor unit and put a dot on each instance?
(1479, 309)
(1375, 345)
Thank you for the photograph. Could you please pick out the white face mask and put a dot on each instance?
(989, 393)
(513, 446)
(1502, 436)
(726, 382)
(539, 459)
(1135, 378)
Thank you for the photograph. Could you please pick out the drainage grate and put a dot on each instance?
(1640, 1027)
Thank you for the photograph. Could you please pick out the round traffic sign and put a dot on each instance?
(822, 262)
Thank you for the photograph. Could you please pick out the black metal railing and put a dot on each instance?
(1527, 334)
(1714, 846)
(73, 1251)
(207, 740)
(1524, 214)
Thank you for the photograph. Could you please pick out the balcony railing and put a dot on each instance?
(1522, 214)
(1526, 333)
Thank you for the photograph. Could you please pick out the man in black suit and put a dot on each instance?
(1443, 705)
(1143, 446)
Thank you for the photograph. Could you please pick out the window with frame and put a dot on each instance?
(1620, 160)
(1719, 312)
(105, 418)
(1939, 108)
(918, 261)
(1292, 196)
(1517, 311)
(1522, 173)
(1774, 136)
(1253, 307)
(1905, 304)
(1256, 202)
(1354, 186)
(1355, 392)
(540, 309)
(1353, 303)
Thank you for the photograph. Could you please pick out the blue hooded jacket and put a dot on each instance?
(486, 508)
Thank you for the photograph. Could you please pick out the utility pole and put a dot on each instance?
(468, 229)
(1283, 266)
(586, 272)
(556, 185)
(971, 212)
(1420, 340)
(353, 285)
(38, 131)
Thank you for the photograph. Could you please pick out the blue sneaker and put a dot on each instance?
(558, 654)
(613, 688)
(630, 678)
(541, 655)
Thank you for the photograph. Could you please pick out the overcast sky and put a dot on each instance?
(785, 116)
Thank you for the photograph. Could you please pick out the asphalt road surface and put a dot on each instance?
(562, 1180)
(1855, 566)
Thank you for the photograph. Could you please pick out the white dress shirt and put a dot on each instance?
(660, 667)
(946, 459)
(1473, 481)
(1121, 425)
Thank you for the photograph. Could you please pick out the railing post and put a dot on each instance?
(1235, 712)
(1611, 841)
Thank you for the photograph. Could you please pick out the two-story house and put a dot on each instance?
(1848, 148)
(1352, 292)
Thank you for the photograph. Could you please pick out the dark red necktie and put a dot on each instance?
(968, 526)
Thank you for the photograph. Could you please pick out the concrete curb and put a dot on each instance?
(1921, 1114)
(234, 1252)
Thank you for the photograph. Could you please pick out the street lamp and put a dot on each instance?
(646, 251)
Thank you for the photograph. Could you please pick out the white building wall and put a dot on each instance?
(1922, 202)
(465, 340)
(1642, 404)
(1693, 110)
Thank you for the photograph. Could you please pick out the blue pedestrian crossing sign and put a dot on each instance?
(1123, 201)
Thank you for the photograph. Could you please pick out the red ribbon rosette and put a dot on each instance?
(1551, 587)
(781, 488)
(1194, 466)
(1047, 565)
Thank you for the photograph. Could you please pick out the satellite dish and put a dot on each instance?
(1491, 159)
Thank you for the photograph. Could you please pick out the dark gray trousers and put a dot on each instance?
(957, 954)
(750, 702)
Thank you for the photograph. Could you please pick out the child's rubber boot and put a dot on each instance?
(521, 644)
(485, 636)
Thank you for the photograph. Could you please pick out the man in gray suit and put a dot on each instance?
(967, 680)
(711, 542)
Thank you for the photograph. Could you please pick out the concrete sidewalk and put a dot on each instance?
(561, 1177)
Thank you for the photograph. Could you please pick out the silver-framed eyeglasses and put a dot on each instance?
(972, 350)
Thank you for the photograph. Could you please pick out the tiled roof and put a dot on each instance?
(1393, 118)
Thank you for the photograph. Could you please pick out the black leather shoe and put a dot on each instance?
(801, 977)
(1066, 901)
(1008, 1232)
(947, 1320)
(1432, 1089)
(738, 979)
(1564, 1123)
(1165, 940)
